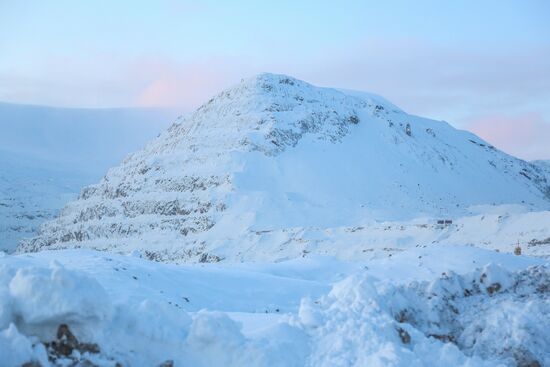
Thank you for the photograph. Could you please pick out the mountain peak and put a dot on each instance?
(268, 81)
(272, 78)
(280, 86)
(271, 112)
(267, 86)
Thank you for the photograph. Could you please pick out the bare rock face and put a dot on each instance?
(276, 152)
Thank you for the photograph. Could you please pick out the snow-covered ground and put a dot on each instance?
(428, 306)
(281, 224)
(48, 154)
(498, 228)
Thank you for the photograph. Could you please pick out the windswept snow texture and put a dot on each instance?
(275, 153)
(433, 306)
(48, 154)
(545, 164)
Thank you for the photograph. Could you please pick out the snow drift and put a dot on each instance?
(83, 311)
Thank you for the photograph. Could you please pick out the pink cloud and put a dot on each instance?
(526, 135)
(181, 85)
(111, 80)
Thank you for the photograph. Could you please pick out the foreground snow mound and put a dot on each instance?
(35, 301)
(107, 309)
(54, 316)
(353, 327)
(70, 296)
(490, 313)
(274, 154)
(485, 318)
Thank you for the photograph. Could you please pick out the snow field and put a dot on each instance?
(439, 305)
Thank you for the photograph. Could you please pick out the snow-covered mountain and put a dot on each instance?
(48, 154)
(274, 153)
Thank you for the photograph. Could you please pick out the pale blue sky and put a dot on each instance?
(482, 65)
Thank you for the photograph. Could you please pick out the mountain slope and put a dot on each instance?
(544, 164)
(48, 154)
(274, 153)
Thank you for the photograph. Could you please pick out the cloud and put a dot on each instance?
(469, 86)
(445, 82)
(167, 83)
(526, 136)
(110, 80)
(185, 85)
(501, 95)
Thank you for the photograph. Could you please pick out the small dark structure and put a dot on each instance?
(517, 250)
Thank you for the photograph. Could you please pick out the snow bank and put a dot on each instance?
(37, 302)
(70, 296)
(356, 328)
(389, 313)
(485, 318)
(16, 349)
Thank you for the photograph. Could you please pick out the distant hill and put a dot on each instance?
(48, 154)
